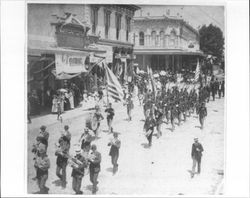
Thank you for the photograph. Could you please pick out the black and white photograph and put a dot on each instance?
(125, 99)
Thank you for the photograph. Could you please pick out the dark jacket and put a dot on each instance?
(197, 150)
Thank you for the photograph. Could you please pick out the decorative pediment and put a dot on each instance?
(70, 21)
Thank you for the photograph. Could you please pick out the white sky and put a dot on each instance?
(195, 15)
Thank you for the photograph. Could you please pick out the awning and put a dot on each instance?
(64, 76)
(161, 51)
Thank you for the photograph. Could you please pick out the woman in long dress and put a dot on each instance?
(54, 105)
(71, 99)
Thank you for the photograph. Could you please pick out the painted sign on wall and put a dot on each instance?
(70, 63)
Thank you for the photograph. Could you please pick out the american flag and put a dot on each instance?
(114, 88)
(197, 72)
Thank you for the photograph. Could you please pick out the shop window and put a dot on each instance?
(141, 38)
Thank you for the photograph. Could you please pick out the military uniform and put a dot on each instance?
(78, 172)
(115, 144)
(202, 112)
(149, 128)
(94, 169)
(42, 164)
(62, 159)
(110, 115)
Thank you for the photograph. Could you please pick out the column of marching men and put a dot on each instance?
(167, 106)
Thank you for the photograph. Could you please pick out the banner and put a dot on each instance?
(68, 63)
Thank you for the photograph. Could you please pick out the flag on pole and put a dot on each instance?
(197, 72)
(114, 88)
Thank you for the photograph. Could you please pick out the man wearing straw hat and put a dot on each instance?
(196, 155)
(78, 163)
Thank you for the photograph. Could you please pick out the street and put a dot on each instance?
(163, 169)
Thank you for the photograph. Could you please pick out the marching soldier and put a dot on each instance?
(62, 158)
(94, 167)
(78, 164)
(44, 135)
(196, 155)
(202, 112)
(42, 164)
(66, 133)
(115, 144)
(110, 115)
(159, 120)
(149, 128)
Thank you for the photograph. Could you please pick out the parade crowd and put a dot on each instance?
(164, 105)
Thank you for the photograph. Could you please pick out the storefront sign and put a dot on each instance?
(70, 63)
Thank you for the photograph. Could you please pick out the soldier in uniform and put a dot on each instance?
(110, 115)
(115, 144)
(79, 163)
(159, 120)
(66, 133)
(62, 158)
(149, 127)
(94, 167)
(42, 164)
(202, 112)
(196, 155)
(44, 135)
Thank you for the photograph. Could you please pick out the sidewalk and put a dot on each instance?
(50, 119)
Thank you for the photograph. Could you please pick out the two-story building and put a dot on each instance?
(62, 38)
(165, 43)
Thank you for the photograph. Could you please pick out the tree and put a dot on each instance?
(212, 42)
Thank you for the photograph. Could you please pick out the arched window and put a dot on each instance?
(172, 38)
(141, 38)
(153, 38)
(162, 38)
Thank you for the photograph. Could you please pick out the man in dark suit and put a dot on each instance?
(196, 155)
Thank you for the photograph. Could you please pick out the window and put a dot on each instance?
(153, 37)
(94, 19)
(107, 22)
(141, 38)
(162, 38)
(172, 38)
(128, 29)
(118, 25)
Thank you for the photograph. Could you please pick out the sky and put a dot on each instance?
(195, 15)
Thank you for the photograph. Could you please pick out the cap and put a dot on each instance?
(195, 139)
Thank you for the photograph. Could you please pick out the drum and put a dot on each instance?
(91, 123)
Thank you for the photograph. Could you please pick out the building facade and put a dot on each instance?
(165, 43)
(64, 39)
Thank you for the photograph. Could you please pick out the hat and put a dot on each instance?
(43, 127)
(195, 139)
